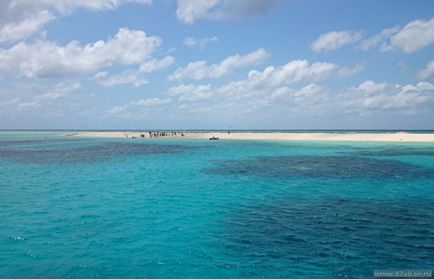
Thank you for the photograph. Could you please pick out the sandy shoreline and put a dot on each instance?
(329, 136)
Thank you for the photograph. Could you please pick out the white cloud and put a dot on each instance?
(199, 42)
(25, 106)
(59, 90)
(306, 96)
(127, 77)
(367, 98)
(414, 36)
(385, 96)
(312, 99)
(334, 40)
(378, 39)
(427, 72)
(67, 6)
(191, 92)
(46, 59)
(350, 71)
(292, 72)
(284, 102)
(133, 77)
(200, 69)
(36, 96)
(100, 75)
(20, 19)
(137, 109)
(22, 29)
(370, 86)
(9, 103)
(155, 64)
(267, 88)
(151, 102)
(189, 11)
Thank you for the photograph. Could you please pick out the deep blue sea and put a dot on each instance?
(75, 207)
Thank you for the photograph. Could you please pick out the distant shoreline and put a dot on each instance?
(284, 136)
(374, 131)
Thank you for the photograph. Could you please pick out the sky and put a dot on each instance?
(215, 64)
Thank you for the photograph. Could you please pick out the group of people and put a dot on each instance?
(156, 134)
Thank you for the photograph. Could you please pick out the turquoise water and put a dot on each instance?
(160, 208)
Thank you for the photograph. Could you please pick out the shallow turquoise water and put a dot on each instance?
(158, 208)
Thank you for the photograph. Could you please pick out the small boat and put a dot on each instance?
(213, 138)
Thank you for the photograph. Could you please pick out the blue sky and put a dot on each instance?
(191, 64)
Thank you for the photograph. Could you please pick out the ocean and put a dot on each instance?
(74, 207)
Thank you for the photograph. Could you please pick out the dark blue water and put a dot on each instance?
(154, 208)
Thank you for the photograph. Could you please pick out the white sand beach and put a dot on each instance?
(295, 136)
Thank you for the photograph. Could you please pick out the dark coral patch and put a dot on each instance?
(320, 166)
(349, 238)
(396, 151)
(87, 153)
(31, 142)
